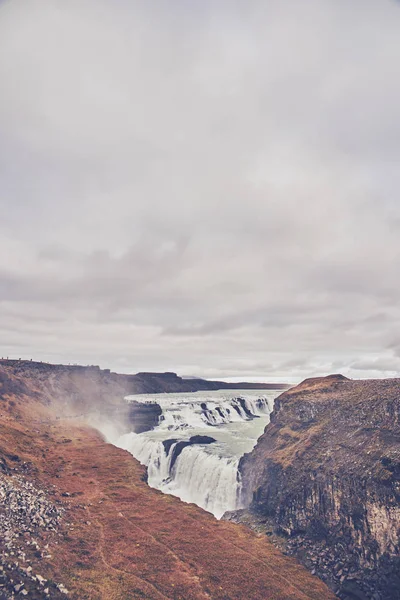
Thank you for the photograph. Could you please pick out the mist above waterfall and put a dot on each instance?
(183, 462)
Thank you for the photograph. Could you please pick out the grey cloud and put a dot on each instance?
(387, 364)
(209, 187)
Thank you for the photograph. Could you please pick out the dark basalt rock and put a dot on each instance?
(168, 444)
(201, 439)
(248, 413)
(153, 383)
(4, 468)
(144, 417)
(177, 451)
(195, 439)
(325, 477)
(10, 385)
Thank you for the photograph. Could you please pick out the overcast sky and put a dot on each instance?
(204, 186)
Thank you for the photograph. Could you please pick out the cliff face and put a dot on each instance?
(77, 519)
(326, 475)
(143, 417)
(152, 383)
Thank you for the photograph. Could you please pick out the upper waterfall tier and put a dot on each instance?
(178, 411)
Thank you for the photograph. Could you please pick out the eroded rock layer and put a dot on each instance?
(326, 475)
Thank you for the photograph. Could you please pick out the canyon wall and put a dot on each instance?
(325, 476)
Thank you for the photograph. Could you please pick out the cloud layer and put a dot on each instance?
(207, 187)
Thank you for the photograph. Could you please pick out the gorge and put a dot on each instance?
(193, 450)
(325, 478)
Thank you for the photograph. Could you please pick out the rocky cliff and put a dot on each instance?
(325, 477)
(151, 383)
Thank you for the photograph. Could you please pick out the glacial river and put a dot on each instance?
(203, 473)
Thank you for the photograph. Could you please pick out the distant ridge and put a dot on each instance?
(145, 382)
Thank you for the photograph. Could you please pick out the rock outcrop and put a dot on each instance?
(151, 383)
(143, 417)
(325, 476)
(179, 445)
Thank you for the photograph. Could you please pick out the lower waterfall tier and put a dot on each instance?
(197, 475)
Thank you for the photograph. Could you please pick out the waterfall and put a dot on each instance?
(183, 461)
(179, 413)
(199, 476)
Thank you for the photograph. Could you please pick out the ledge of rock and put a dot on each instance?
(326, 477)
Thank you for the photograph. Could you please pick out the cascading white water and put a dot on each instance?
(199, 476)
(196, 469)
(183, 413)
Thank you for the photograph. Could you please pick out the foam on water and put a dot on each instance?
(205, 474)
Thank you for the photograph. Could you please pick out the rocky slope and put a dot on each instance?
(78, 520)
(325, 479)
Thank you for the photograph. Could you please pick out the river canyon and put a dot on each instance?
(194, 449)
